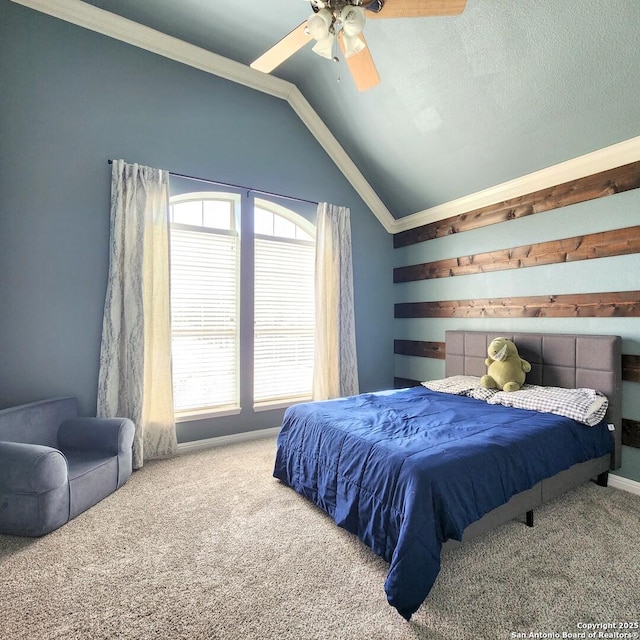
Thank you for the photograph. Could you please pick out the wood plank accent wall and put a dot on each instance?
(597, 185)
(419, 348)
(586, 247)
(630, 373)
(631, 433)
(630, 367)
(595, 245)
(579, 305)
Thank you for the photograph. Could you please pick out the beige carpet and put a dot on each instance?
(209, 545)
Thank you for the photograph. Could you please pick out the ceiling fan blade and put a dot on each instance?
(418, 8)
(361, 65)
(282, 50)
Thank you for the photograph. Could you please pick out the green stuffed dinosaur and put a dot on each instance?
(506, 369)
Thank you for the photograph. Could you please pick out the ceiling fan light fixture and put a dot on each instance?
(352, 45)
(319, 24)
(352, 19)
(324, 47)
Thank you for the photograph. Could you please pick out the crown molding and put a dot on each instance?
(603, 159)
(115, 26)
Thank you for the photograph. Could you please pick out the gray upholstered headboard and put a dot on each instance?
(557, 360)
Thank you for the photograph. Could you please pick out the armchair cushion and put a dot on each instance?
(93, 475)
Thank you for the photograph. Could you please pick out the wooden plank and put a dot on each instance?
(631, 368)
(595, 245)
(631, 433)
(597, 185)
(420, 348)
(586, 305)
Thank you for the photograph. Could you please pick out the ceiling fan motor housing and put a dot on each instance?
(331, 17)
(338, 5)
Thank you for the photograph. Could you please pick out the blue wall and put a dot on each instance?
(618, 273)
(70, 99)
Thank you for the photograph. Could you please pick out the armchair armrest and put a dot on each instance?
(111, 435)
(26, 468)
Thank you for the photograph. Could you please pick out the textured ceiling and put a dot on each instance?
(465, 102)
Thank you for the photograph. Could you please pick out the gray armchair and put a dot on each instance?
(55, 465)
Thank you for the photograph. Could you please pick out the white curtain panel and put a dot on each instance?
(135, 357)
(335, 371)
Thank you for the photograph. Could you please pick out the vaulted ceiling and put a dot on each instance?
(465, 103)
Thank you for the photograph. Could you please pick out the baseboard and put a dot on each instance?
(220, 441)
(618, 482)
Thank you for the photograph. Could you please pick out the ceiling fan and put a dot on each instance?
(342, 22)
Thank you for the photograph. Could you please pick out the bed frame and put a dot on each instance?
(558, 360)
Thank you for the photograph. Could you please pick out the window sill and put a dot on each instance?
(206, 414)
(278, 404)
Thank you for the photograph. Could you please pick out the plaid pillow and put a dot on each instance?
(461, 386)
(587, 406)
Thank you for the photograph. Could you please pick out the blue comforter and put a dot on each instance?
(406, 470)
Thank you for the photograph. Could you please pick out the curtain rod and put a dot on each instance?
(235, 186)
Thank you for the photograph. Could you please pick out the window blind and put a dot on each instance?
(204, 317)
(284, 319)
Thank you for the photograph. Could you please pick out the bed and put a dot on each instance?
(413, 471)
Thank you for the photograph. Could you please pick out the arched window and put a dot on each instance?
(205, 293)
(208, 243)
(283, 305)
